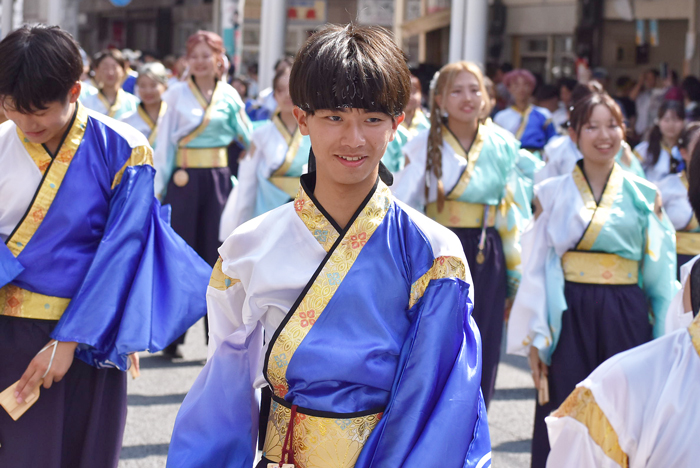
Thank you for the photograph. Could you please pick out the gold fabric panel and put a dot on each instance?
(54, 173)
(599, 268)
(602, 210)
(318, 442)
(18, 302)
(140, 156)
(324, 287)
(201, 157)
(688, 243)
(461, 214)
(471, 158)
(581, 406)
(694, 330)
(219, 280)
(315, 222)
(443, 267)
(289, 185)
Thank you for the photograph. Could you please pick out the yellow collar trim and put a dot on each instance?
(198, 94)
(341, 258)
(54, 173)
(293, 143)
(216, 95)
(523, 123)
(471, 157)
(149, 121)
(112, 109)
(600, 211)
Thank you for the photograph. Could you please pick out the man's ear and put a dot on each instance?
(395, 122)
(74, 92)
(302, 120)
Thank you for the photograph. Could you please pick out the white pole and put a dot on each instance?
(457, 30)
(475, 31)
(6, 17)
(55, 10)
(273, 32)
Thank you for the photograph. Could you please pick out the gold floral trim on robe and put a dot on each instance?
(140, 156)
(581, 406)
(471, 157)
(220, 280)
(54, 174)
(326, 282)
(443, 267)
(600, 211)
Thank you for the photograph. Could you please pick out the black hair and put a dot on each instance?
(654, 72)
(567, 82)
(351, 67)
(546, 92)
(114, 54)
(580, 113)
(691, 88)
(654, 150)
(688, 135)
(506, 67)
(623, 81)
(286, 61)
(40, 64)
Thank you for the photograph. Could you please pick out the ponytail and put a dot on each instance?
(434, 159)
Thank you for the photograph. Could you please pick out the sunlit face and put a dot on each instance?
(520, 89)
(463, 100)
(416, 95)
(348, 143)
(150, 90)
(601, 137)
(671, 126)
(43, 126)
(203, 61)
(281, 94)
(109, 72)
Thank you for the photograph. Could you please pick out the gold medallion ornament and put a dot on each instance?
(181, 177)
(480, 257)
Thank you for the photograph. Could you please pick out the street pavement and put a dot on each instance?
(155, 397)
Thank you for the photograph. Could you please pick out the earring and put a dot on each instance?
(445, 115)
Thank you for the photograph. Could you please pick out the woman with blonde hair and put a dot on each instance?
(152, 82)
(463, 174)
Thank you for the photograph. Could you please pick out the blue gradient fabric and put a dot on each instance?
(396, 337)
(106, 244)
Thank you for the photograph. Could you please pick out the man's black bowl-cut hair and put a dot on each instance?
(351, 66)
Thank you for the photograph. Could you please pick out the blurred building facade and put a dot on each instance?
(545, 36)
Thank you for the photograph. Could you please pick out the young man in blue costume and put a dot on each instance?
(352, 307)
(90, 271)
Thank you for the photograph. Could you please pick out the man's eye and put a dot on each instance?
(374, 120)
(334, 118)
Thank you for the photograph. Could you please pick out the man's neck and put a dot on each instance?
(522, 105)
(342, 201)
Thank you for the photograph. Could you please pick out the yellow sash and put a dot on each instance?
(599, 268)
(460, 214)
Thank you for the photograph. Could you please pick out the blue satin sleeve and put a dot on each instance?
(145, 286)
(10, 267)
(436, 415)
(217, 425)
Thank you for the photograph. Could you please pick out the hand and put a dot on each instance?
(34, 375)
(135, 365)
(538, 368)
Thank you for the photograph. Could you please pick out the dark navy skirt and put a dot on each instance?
(490, 290)
(197, 208)
(78, 422)
(602, 320)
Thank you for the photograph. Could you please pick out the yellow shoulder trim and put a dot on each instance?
(219, 280)
(140, 156)
(581, 406)
(443, 267)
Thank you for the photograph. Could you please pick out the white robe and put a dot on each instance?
(649, 396)
(19, 179)
(674, 195)
(659, 170)
(677, 317)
